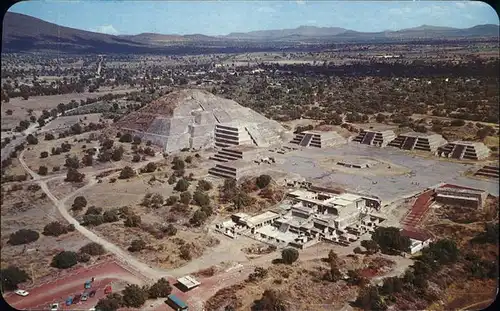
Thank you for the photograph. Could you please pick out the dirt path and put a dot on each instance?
(143, 268)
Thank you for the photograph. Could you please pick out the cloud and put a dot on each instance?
(301, 2)
(311, 21)
(266, 9)
(461, 5)
(108, 29)
(397, 11)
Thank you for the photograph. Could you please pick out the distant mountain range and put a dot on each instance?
(26, 33)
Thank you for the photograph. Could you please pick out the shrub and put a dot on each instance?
(49, 136)
(134, 296)
(370, 245)
(43, 170)
(92, 210)
(137, 140)
(132, 221)
(188, 159)
(186, 197)
(79, 203)
(55, 228)
(12, 276)
(127, 172)
(161, 288)
(172, 200)
(83, 257)
(289, 255)
(170, 230)
(389, 239)
(178, 164)
(111, 303)
(64, 260)
(92, 248)
(137, 245)
(93, 220)
(136, 158)
(262, 181)
(171, 180)
(198, 218)
(182, 185)
(23, 236)
(110, 216)
(204, 185)
(185, 252)
(457, 122)
(44, 154)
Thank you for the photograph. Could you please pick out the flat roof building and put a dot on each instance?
(458, 195)
(418, 141)
(375, 138)
(188, 282)
(464, 150)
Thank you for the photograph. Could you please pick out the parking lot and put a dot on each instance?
(58, 290)
(426, 172)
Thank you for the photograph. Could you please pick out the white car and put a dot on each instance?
(21, 292)
(92, 309)
(54, 307)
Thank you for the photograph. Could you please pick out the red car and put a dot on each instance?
(108, 290)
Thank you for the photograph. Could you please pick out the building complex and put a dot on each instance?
(318, 139)
(464, 150)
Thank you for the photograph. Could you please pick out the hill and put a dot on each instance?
(22, 33)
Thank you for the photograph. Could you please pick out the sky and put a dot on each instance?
(225, 16)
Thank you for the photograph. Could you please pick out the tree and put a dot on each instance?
(201, 198)
(64, 260)
(262, 181)
(23, 236)
(136, 158)
(107, 144)
(161, 289)
(92, 210)
(111, 303)
(76, 129)
(334, 274)
(186, 197)
(88, 160)
(178, 164)
(54, 228)
(149, 168)
(198, 218)
(390, 240)
(12, 276)
(74, 176)
(44, 154)
(333, 257)
(117, 153)
(83, 257)
(93, 249)
(185, 251)
(43, 170)
(134, 296)
(289, 255)
(204, 185)
(443, 251)
(32, 140)
(182, 185)
(370, 245)
(72, 162)
(126, 138)
(171, 180)
(188, 159)
(137, 140)
(355, 277)
(127, 172)
(380, 118)
(137, 245)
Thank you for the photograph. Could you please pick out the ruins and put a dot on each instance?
(418, 141)
(375, 138)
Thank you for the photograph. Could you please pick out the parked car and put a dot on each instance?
(54, 307)
(92, 293)
(21, 292)
(108, 290)
(88, 284)
(77, 298)
(69, 301)
(85, 296)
